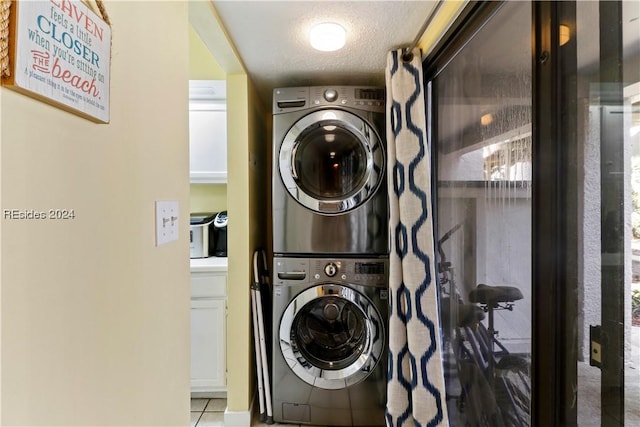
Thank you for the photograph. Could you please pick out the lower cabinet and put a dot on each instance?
(208, 332)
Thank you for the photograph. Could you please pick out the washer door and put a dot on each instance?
(331, 161)
(331, 336)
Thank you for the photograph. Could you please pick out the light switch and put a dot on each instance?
(166, 221)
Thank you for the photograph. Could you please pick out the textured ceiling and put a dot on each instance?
(271, 37)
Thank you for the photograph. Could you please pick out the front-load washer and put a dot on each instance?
(330, 340)
(329, 192)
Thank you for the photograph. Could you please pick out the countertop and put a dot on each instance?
(209, 264)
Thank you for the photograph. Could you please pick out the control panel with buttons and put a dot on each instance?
(356, 271)
(363, 98)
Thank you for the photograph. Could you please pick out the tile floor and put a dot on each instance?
(210, 413)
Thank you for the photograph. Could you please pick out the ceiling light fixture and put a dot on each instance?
(327, 36)
(486, 120)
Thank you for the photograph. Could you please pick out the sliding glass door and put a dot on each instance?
(482, 106)
(607, 45)
(534, 128)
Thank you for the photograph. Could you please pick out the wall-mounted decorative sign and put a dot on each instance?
(60, 53)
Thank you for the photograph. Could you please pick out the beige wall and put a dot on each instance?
(238, 329)
(202, 65)
(95, 317)
(247, 191)
(208, 197)
(448, 12)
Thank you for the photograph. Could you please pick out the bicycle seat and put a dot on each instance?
(469, 315)
(485, 294)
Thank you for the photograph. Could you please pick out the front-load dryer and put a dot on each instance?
(329, 183)
(330, 339)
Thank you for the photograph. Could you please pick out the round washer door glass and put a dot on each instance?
(331, 161)
(331, 336)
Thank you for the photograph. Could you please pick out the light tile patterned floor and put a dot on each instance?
(210, 413)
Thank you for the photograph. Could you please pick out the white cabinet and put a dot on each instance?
(207, 346)
(208, 332)
(207, 131)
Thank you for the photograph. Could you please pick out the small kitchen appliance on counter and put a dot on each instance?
(220, 224)
(202, 235)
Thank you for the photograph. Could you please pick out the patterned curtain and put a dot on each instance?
(415, 389)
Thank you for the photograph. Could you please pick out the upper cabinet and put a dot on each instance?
(207, 132)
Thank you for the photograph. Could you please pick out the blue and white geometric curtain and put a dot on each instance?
(415, 388)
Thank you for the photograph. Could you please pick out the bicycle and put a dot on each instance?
(490, 386)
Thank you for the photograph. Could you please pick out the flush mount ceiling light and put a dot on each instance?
(327, 36)
(486, 120)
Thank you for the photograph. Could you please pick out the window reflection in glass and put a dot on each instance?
(484, 171)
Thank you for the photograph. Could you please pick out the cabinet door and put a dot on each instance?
(208, 364)
(208, 141)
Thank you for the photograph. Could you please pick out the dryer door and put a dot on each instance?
(331, 161)
(331, 336)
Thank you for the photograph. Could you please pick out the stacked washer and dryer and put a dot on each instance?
(330, 245)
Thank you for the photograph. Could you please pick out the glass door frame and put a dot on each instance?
(556, 244)
(555, 217)
(555, 223)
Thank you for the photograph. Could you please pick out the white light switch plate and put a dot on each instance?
(166, 221)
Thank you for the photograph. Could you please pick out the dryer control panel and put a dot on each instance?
(363, 98)
(359, 271)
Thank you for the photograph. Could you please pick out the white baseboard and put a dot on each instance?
(242, 418)
(237, 419)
